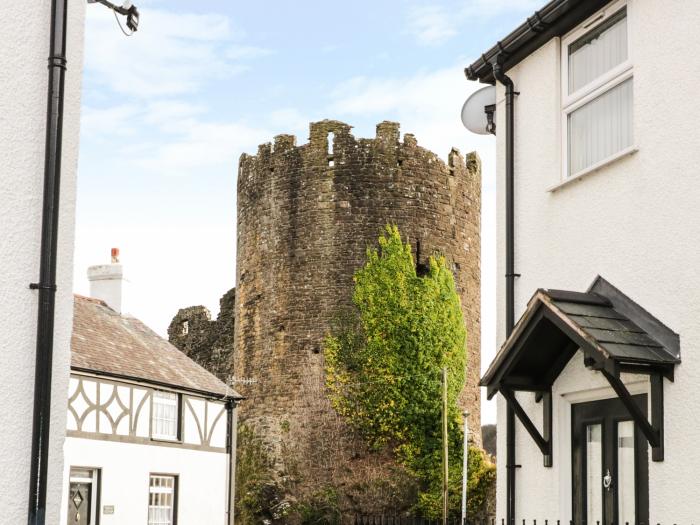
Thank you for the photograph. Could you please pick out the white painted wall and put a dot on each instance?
(636, 222)
(203, 479)
(24, 49)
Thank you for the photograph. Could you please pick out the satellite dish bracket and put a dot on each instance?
(491, 125)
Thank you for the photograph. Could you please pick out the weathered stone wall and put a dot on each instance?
(306, 215)
(209, 343)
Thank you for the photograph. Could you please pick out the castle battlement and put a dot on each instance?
(331, 145)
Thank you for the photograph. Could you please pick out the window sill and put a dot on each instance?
(163, 439)
(594, 168)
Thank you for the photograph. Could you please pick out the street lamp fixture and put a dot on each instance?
(127, 9)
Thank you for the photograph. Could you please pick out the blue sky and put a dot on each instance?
(167, 112)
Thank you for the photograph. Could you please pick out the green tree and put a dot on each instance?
(383, 362)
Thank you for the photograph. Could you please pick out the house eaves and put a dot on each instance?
(556, 18)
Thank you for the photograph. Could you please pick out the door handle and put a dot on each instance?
(607, 480)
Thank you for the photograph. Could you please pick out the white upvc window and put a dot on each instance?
(161, 499)
(597, 91)
(165, 416)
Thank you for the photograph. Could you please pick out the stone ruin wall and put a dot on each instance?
(208, 342)
(306, 215)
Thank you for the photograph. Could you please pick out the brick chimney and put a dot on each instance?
(108, 284)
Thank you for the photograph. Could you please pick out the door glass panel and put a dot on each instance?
(625, 472)
(594, 474)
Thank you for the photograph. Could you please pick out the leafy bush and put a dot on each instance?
(384, 358)
(480, 486)
(322, 508)
(259, 497)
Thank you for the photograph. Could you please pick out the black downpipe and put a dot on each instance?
(510, 277)
(47, 270)
(232, 428)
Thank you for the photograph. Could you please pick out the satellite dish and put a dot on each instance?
(474, 112)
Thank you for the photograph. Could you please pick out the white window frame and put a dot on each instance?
(173, 491)
(169, 401)
(570, 102)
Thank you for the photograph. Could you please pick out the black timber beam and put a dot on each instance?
(544, 443)
(657, 414)
(666, 370)
(547, 426)
(653, 431)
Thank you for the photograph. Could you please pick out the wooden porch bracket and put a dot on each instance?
(654, 431)
(544, 440)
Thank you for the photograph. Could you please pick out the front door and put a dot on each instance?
(83, 496)
(79, 503)
(610, 464)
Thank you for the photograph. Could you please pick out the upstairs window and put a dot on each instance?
(597, 92)
(165, 416)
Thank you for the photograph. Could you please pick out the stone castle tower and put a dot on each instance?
(306, 215)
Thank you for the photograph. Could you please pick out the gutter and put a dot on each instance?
(47, 270)
(556, 18)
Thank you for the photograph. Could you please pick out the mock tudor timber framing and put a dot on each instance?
(122, 404)
(605, 325)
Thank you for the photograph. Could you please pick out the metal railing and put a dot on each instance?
(414, 520)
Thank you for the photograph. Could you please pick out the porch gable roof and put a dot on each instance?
(614, 333)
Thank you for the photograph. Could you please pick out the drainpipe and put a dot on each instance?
(505, 80)
(47, 270)
(232, 420)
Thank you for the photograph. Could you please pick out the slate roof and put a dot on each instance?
(106, 342)
(604, 323)
(615, 334)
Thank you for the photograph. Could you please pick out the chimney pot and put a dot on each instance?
(115, 255)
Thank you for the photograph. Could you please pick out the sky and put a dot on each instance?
(167, 112)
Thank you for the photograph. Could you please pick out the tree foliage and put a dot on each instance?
(259, 496)
(384, 359)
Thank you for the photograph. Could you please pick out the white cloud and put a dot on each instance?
(170, 115)
(247, 52)
(201, 145)
(431, 24)
(111, 121)
(148, 84)
(171, 54)
(435, 23)
(290, 121)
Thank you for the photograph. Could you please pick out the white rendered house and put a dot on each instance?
(601, 371)
(150, 433)
(25, 29)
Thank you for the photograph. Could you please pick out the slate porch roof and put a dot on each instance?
(603, 322)
(106, 342)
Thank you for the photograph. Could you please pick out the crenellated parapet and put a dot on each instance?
(331, 145)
